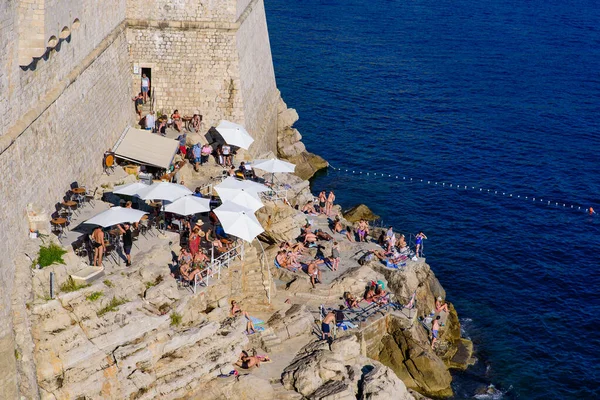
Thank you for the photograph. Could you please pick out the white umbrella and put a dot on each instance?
(244, 198)
(163, 191)
(238, 221)
(188, 205)
(274, 165)
(235, 134)
(231, 186)
(129, 189)
(116, 215)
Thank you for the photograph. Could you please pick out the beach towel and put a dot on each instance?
(256, 321)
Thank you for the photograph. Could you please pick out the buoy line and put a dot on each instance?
(533, 199)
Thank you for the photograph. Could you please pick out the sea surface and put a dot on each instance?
(499, 95)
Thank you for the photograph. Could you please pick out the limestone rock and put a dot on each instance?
(296, 321)
(359, 212)
(164, 293)
(280, 221)
(355, 280)
(307, 164)
(286, 118)
(380, 383)
(307, 374)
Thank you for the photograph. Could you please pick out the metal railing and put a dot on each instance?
(275, 195)
(263, 262)
(208, 187)
(216, 263)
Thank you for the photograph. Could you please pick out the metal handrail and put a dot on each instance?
(276, 194)
(263, 262)
(214, 267)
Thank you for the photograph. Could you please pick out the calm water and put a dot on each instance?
(493, 94)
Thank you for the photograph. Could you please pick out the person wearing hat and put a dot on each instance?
(440, 305)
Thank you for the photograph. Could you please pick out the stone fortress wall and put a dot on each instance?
(66, 82)
(208, 57)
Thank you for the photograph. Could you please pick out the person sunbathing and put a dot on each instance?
(380, 295)
(246, 361)
(322, 235)
(440, 305)
(188, 273)
(314, 272)
(309, 208)
(236, 311)
(370, 295)
(309, 238)
(350, 300)
(283, 261)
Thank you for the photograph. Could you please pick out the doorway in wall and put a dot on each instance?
(148, 73)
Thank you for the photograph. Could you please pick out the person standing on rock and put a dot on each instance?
(325, 328)
(330, 200)
(335, 256)
(97, 240)
(390, 238)
(419, 244)
(435, 327)
(125, 230)
(322, 202)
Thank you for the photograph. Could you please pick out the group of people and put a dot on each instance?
(98, 240)
(326, 202)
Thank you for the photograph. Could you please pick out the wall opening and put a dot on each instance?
(148, 73)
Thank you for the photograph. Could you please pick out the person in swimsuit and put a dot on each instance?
(322, 202)
(435, 327)
(440, 305)
(350, 300)
(177, 121)
(335, 256)
(246, 361)
(97, 240)
(314, 272)
(419, 243)
(329, 205)
(237, 311)
(325, 328)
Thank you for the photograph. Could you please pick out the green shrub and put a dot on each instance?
(108, 283)
(94, 296)
(149, 284)
(51, 254)
(71, 286)
(175, 318)
(112, 305)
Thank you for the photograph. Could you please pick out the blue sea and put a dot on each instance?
(498, 95)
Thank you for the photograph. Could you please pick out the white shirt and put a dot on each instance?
(150, 121)
(226, 150)
(145, 82)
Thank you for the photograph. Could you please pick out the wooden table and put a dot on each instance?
(144, 217)
(61, 223)
(78, 191)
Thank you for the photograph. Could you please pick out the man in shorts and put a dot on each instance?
(325, 328)
(435, 327)
(127, 241)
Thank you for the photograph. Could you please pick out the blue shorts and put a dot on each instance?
(324, 327)
(197, 159)
(144, 89)
(435, 334)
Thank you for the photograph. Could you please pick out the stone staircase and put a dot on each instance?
(269, 341)
(282, 393)
(250, 281)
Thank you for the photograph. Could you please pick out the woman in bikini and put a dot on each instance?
(236, 311)
(176, 118)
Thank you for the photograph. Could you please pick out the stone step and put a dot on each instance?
(282, 393)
